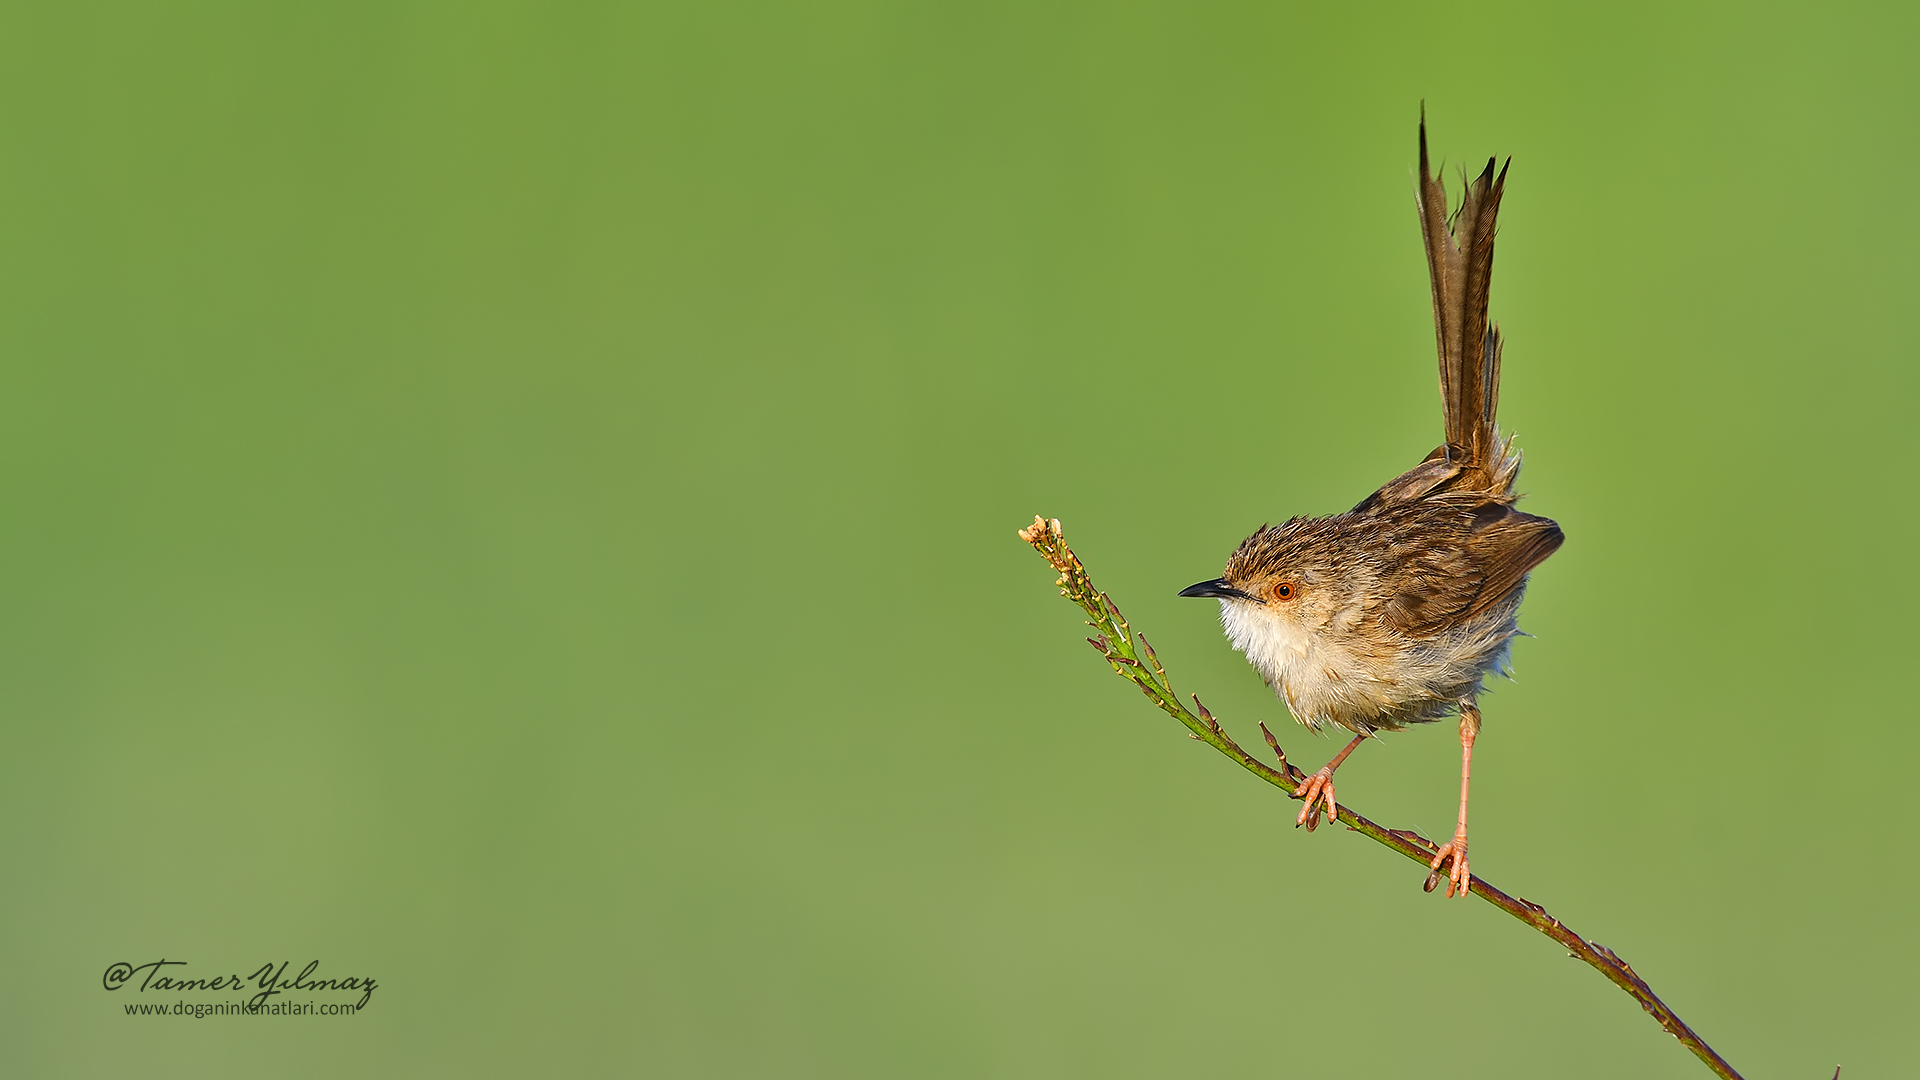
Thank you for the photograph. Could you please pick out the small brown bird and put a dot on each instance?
(1394, 612)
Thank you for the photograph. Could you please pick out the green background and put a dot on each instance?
(518, 501)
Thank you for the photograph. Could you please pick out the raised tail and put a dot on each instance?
(1460, 262)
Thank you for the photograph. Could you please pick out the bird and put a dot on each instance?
(1395, 612)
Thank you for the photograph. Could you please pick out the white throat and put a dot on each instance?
(1279, 648)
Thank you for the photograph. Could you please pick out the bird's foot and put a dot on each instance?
(1318, 793)
(1459, 878)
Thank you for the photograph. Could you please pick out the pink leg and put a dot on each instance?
(1318, 791)
(1459, 879)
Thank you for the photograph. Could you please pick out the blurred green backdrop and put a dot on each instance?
(518, 501)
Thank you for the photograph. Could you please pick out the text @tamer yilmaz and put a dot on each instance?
(267, 983)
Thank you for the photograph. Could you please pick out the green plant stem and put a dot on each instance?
(1129, 654)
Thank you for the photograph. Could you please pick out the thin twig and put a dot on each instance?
(1122, 648)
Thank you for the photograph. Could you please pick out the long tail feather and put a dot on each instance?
(1460, 263)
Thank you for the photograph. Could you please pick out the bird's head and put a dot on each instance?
(1283, 589)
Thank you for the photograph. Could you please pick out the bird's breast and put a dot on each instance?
(1335, 673)
(1320, 681)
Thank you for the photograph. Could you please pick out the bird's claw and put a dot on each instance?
(1459, 878)
(1318, 793)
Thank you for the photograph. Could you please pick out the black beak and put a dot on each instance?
(1218, 587)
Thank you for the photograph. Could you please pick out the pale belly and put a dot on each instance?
(1325, 679)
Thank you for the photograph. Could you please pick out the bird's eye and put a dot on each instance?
(1283, 591)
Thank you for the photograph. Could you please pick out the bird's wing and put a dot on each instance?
(1509, 546)
(1430, 586)
(1452, 573)
(1433, 474)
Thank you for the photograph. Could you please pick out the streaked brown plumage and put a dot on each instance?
(1394, 612)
